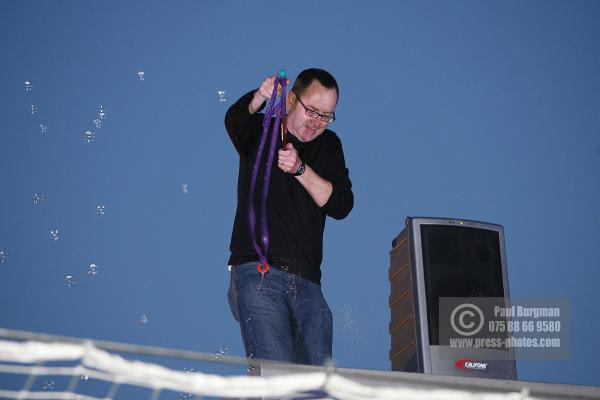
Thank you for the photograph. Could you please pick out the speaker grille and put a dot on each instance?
(459, 262)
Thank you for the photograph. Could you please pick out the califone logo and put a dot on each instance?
(471, 364)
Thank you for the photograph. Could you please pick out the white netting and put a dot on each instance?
(26, 359)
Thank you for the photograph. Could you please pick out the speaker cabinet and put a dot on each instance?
(435, 258)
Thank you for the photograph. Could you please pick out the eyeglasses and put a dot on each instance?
(313, 114)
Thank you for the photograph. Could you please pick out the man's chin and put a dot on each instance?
(309, 135)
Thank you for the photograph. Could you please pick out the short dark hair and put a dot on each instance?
(306, 77)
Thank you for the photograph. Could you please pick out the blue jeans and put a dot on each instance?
(282, 316)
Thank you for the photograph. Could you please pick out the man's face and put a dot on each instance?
(317, 98)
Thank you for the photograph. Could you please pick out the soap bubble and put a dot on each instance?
(44, 128)
(48, 385)
(101, 209)
(144, 320)
(69, 281)
(38, 199)
(184, 188)
(89, 136)
(252, 368)
(222, 96)
(3, 256)
(350, 326)
(34, 109)
(221, 352)
(98, 123)
(54, 235)
(93, 269)
(141, 75)
(184, 396)
(102, 113)
(29, 86)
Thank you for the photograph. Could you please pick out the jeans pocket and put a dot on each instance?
(232, 297)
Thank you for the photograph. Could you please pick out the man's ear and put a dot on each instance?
(291, 99)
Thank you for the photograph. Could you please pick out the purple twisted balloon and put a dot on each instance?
(277, 108)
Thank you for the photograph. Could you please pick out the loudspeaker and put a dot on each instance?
(435, 258)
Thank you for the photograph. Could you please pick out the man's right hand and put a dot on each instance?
(263, 93)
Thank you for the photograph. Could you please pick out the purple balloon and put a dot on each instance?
(278, 109)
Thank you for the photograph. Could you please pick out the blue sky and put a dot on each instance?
(483, 110)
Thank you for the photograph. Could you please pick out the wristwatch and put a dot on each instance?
(300, 170)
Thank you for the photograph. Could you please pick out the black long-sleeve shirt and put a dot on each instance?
(295, 222)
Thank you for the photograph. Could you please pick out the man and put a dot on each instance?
(282, 313)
